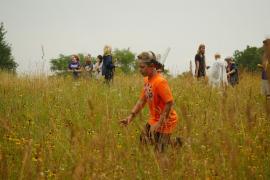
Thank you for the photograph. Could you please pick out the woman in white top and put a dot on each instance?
(217, 73)
(98, 67)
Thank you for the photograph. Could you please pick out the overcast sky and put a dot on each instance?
(85, 26)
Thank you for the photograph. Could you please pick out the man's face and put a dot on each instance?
(144, 69)
(202, 49)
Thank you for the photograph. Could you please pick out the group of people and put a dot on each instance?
(157, 94)
(224, 72)
(104, 65)
(221, 73)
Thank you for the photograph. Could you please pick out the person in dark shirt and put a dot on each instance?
(200, 64)
(74, 66)
(108, 66)
(232, 72)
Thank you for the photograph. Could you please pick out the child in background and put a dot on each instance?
(98, 67)
(157, 94)
(74, 66)
(88, 66)
(232, 72)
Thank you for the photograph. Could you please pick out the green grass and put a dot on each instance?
(55, 128)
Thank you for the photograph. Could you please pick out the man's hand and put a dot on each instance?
(135, 110)
(259, 65)
(127, 120)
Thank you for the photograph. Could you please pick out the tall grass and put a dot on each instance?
(58, 128)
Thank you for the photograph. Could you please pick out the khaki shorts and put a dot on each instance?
(265, 87)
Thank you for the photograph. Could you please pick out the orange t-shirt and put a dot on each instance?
(157, 93)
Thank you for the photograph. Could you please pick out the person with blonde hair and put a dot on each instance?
(217, 73)
(107, 66)
(200, 65)
(157, 94)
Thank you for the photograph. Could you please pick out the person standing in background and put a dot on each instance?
(98, 67)
(266, 56)
(74, 66)
(107, 65)
(217, 74)
(88, 66)
(265, 86)
(200, 65)
(232, 71)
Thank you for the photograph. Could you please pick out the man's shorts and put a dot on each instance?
(159, 140)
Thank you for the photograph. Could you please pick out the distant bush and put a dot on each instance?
(249, 57)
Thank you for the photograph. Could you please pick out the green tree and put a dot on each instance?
(6, 60)
(125, 59)
(248, 58)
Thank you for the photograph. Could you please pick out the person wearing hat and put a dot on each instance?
(232, 71)
(157, 94)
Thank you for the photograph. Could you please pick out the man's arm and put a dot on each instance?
(135, 110)
(167, 109)
(231, 72)
(264, 62)
(196, 68)
(163, 117)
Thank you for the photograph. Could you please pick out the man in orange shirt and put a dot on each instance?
(157, 94)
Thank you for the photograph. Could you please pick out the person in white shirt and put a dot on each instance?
(98, 67)
(217, 73)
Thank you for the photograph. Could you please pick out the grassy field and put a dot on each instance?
(55, 128)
